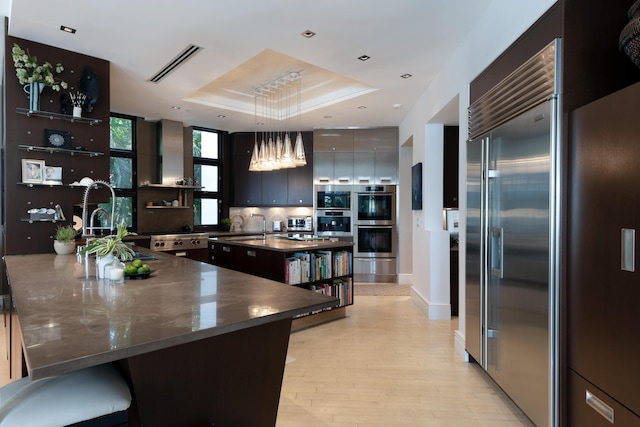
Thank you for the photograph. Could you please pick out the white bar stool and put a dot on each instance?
(65, 399)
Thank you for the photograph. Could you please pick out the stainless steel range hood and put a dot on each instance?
(171, 152)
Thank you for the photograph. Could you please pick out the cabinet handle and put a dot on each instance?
(226, 249)
(251, 253)
(599, 406)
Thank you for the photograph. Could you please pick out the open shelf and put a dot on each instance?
(52, 150)
(57, 116)
(172, 186)
(41, 184)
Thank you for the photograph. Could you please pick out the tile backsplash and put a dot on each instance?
(241, 219)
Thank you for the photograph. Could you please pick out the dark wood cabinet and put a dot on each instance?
(450, 167)
(590, 406)
(453, 280)
(300, 180)
(603, 298)
(246, 185)
(286, 187)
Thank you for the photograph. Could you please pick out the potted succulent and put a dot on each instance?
(64, 240)
(108, 248)
(225, 223)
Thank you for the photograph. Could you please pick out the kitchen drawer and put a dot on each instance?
(580, 413)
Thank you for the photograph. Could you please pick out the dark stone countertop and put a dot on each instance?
(71, 320)
(281, 244)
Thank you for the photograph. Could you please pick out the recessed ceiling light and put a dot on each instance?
(328, 117)
(308, 34)
(406, 76)
(221, 116)
(67, 29)
(396, 106)
(364, 57)
(175, 107)
(362, 107)
(260, 124)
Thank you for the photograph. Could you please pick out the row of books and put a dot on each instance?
(303, 267)
(342, 262)
(339, 288)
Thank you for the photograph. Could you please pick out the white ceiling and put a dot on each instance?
(139, 37)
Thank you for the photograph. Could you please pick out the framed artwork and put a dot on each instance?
(57, 138)
(52, 175)
(416, 187)
(32, 171)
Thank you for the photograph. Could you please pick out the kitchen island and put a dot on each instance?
(200, 345)
(310, 262)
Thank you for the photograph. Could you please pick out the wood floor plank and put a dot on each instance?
(386, 364)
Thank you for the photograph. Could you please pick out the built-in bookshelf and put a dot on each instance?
(329, 272)
(327, 269)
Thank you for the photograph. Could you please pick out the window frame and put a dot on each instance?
(205, 161)
(129, 154)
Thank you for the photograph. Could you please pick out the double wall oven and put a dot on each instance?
(374, 232)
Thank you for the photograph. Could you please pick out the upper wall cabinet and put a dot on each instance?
(375, 156)
(333, 156)
(356, 156)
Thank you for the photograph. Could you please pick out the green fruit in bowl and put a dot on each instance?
(130, 269)
(136, 263)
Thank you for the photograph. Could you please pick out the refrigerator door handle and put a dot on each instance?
(497, 252)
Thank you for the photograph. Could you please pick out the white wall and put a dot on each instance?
(503, 22)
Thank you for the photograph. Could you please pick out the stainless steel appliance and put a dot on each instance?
(193, 245)
(333, 223)
(334, 197)
(300, 223)
(512, 235)
(374, 241)
(375, 204)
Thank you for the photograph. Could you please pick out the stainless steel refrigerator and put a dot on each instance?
(512, 235)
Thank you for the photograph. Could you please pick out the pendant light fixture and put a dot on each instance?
(278, 152)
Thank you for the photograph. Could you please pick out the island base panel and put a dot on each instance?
(325, 316)
(232, 379)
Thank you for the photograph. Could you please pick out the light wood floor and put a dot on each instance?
(383, 365)
(386, 364)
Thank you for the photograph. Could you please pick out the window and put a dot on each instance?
(123, 168)
(207, 169)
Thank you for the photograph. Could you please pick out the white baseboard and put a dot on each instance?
(432, 311)
(459, 345)
(405, 279)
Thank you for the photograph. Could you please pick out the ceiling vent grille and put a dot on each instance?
(179, 60)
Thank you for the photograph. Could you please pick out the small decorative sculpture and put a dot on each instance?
(89, 86)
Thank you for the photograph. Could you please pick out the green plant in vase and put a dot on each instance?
(111, 245)
(64, 240)
(35, 76)
(108, 248)
(225, 223)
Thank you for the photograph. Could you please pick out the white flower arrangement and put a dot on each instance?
(28, 70)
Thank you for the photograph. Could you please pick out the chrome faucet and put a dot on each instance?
(93, 185)
(91, 228)
(264, 224)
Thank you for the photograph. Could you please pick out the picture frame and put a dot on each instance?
(52, 175)
(32, 171)
(416, 187)
(57, 138)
